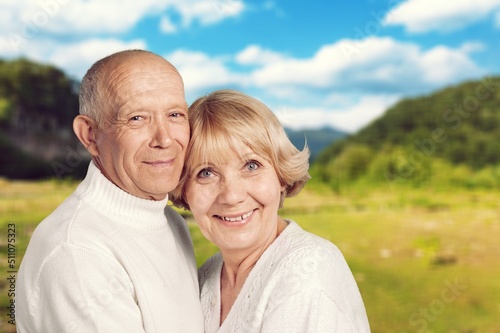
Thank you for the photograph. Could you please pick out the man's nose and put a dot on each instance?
(160, 133)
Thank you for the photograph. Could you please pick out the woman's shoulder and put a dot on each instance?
(309, 264)
(297, 241)
(301, 253)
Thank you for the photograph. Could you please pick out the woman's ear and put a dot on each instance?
(85, 129)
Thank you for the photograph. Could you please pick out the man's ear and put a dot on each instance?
(85, 129)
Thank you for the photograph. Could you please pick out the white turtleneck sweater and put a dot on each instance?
(107, 261)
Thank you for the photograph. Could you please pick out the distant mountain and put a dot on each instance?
(317, 139)
(457, 126)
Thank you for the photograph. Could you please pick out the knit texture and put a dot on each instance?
(107, 261)
(301, 283)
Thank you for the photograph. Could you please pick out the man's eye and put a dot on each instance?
(135, 118)
(178, 116)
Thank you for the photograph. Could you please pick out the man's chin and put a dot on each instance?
(160, 193)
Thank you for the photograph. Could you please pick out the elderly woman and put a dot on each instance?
(270, 275)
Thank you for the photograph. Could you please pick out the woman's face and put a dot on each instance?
(236, 204)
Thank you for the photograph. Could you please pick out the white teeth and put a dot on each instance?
(236, 219)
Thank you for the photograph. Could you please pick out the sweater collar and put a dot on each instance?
(118, 205)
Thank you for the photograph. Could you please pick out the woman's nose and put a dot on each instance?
(232, 191)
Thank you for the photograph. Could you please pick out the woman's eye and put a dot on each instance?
(205, 173)
(252, 165)
(135, 118)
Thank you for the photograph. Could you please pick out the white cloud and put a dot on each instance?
(313, 72)
(166, 25)
(75, 58)
(441, 65)
(10, 45)
(208, 11)
(82, 17)
(419, 16)
(349, 118)
(471, 47)
(329, 87)
(75, 16)
(255, 55)
(370, 65)
(201, 73)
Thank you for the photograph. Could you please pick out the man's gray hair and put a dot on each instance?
(93, 97)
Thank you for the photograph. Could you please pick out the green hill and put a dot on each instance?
(37, 93)
(452, 135)
(37, 106)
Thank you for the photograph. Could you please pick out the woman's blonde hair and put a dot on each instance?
(225, 121)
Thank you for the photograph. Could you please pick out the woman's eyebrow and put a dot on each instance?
(204, 165)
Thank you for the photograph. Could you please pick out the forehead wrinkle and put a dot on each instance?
(124, 93)
(155, 69)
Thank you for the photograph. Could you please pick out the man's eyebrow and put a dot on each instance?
(179, 105)
(127, 111)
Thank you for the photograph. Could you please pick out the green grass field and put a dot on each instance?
(425, 260)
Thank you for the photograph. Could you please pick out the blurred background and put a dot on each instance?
(399, 102)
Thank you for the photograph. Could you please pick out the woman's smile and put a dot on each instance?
(235, 218)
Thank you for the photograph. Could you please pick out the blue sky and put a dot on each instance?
(314, 63)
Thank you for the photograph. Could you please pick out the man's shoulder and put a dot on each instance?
(67, 227)
(173, 216)
(176, 220)
(54, 228)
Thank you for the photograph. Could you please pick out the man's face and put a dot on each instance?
(141, 147)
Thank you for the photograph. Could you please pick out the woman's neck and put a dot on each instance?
(236, 268)
(238, 263)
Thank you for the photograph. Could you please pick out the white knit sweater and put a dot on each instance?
(107, 261)
(301, 283)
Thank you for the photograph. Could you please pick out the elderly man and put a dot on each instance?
(113, 257)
